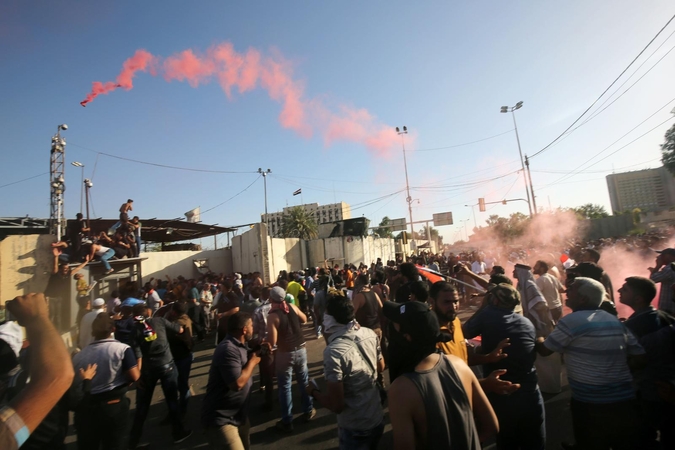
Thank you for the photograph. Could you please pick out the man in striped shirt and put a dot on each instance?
(598, 350)
(663, 273)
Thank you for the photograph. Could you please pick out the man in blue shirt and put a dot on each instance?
(521, 413)
(225, 405)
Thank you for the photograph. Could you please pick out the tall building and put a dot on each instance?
(321, 213)
(649, 190)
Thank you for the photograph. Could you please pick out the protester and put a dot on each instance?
(645, 323)
(550, 287)
(104, 417)
(50, 369)
(228, 304)
(284, 330)
(150, 337)
(367, 305)
(226, 403)
(352, 361)
(520, 409)
(267, 358)
(98, 307)
(439, 403)
(597, 349)
(181, 350)
(206, 302)
(663, 273)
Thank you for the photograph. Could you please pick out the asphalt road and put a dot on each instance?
(320, 433)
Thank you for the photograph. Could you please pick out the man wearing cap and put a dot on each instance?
(284, 330)
(520, 411)
(663, 273)
(150, 336)
(352, 361)
(97, 307)
(105, 415)
(598, 350)
(436, 391)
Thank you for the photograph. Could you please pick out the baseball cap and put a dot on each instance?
(98, 303)
(667, 251)
(416, 319)
(277, 294)
(506, 295)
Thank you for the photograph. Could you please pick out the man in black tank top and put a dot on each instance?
(367, 305)
(284, 330)
(438, 390)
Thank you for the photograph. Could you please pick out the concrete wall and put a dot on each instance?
(25, 264)
(160, 264)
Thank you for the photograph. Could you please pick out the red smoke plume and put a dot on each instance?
(249, 70)
(142, 60)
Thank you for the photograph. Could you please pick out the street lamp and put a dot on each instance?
(79, 164)
(474, 214)
(264, 175)
(408, 199)
(506, 109)
(466, 230)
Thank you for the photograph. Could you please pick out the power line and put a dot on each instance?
(564, 177)
(164, 166)
(464, 144)
(605, 91)
(25, 179)
(565, 172)
(235, 195)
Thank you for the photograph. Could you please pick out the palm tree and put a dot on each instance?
(298, 223)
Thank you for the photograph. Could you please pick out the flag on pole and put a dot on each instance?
(298, 192)
(193, 216)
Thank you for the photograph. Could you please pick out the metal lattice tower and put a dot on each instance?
(57, 183)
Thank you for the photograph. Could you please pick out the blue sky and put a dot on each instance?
(443, 69)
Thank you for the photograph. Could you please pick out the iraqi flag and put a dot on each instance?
(298, 192)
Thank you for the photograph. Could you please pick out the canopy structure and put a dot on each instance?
(162, 230)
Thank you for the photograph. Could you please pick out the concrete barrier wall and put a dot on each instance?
(25, 264)
(160, 264)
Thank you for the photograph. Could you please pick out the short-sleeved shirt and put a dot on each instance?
(222, 405)
(550, 288)
(596, 346)
(156, 351)
(294, 288)
(494, 324)
(112, 358)
(457, 346)
(665, 276)
(343, 362)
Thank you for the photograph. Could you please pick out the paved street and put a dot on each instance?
(321, 433)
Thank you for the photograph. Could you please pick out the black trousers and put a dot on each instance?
(103, 424)
(267, 377)
(606, 425)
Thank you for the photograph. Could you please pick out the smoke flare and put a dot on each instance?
(273, 73)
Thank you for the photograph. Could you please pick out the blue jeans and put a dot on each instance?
(522, 422)
(184, 365)
(360, 439)
(105, 257)
(286, 364)
(168, 377)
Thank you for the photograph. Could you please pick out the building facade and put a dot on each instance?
(648, 190)
(321, 214)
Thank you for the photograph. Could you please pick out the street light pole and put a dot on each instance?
(264, 175)
(409, 199)
(506, 109)
(473, 211)
(79, 164)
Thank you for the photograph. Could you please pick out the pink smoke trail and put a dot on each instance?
(141, 61)
(273, 73)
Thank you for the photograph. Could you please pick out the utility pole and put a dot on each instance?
(506, 109)
(87, 184)
(409, 199)
(529, 176)
(264, 175)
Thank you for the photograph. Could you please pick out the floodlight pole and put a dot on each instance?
(264, 175)
(511, 109)
(409, 199)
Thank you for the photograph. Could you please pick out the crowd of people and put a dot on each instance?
(451, 384)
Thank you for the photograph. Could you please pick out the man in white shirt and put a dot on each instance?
(86, 338)
(550, 287)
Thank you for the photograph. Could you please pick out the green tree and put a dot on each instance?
(383, 231)
(668, 150)
(298, 223)
(590, 211)
(422, 234)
